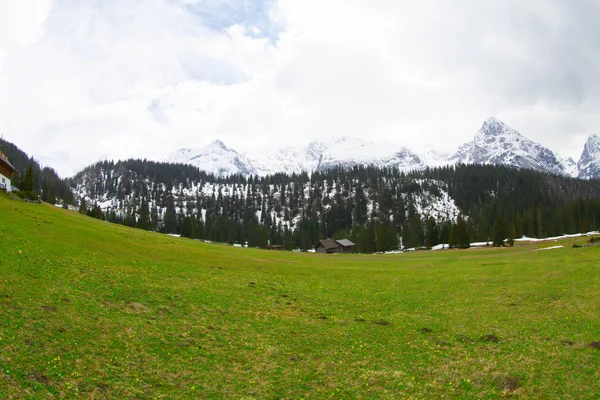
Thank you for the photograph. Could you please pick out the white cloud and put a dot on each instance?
(82, 80)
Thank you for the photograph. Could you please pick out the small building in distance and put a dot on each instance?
(331, 246)
(275, 247)
(7, 171)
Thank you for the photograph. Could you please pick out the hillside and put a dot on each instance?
(96, 310)
(47, 183)
(371, 206)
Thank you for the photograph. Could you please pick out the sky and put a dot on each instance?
(84, 80)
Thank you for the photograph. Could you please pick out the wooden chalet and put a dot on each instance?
(7, 171)
(331, 246)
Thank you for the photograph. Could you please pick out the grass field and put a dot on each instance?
(94, 310)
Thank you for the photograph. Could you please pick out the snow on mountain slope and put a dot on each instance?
(569, 165)
(215, 158)
(494, 143)
(348, 152)
(498, 143)
(289, 160)
(317, 156)
(589, 163)
(345, 151)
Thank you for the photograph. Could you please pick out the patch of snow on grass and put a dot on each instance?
(550, 248)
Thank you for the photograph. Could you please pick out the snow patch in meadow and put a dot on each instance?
(550, 248)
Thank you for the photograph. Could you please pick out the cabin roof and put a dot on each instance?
(328, 243)
(5, 161)
(332, 244)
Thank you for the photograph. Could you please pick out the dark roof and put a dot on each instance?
(332, 244)
(4, 160)
(328, 243)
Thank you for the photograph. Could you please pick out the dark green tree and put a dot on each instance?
(27, 184)
(498, 232)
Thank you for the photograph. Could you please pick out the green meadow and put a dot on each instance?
(100, 311)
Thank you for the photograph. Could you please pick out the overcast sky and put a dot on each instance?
(86, 79)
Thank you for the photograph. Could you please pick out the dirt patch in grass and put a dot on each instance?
(511, 383)
(40, 378)
(137, 308)
(595, 345)
(49, 308)
(252, 283)
(568, 342)
(426, 330)
(359, 320)
(489, 339)
(382, 322)
(322, 317)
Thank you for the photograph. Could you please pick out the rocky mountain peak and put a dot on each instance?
(589, 163)
(492, 127)
(494, 143)
(218, 144)
(497, 143)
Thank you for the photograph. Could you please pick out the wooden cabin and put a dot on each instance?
(331, 246)
(7, 171)
(275, 247)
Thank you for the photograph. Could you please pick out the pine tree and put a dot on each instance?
(82, 206)
(498, 232)
(27, 184)
(431, 233)
(511, 236)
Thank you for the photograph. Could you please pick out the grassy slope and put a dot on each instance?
(96, 310)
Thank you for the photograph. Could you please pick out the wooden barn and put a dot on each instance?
(7, 172)
(331, 246)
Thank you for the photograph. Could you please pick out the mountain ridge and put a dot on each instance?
(494, 143)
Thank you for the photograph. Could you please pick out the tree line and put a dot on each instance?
(377, 208)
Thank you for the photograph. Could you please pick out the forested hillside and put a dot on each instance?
(46, 181)
(376, 208)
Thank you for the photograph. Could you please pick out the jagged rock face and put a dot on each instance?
(589, 163)
(498, 143)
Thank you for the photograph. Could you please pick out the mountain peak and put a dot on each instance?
(492, 127)
(589, 163)
(494, 143)
(498, 143)
(492, 120)
(219, 144)
(594, 138)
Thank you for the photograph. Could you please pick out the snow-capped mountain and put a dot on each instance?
(589, 163)
(494, 143)
(215, 158)
(345, 151)
(498, 143)
(570, 166)
(317, 156)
